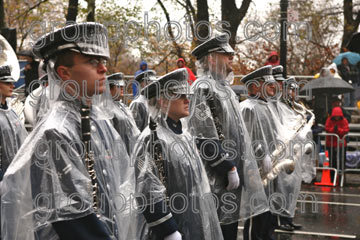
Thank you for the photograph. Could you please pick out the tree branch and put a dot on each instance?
(181, 4)
(163, 60)
(176, 46)
(30, 9)
(192, 9)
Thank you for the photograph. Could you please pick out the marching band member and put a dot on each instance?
(262, 128)
(138, 106)
(217, 124)
(123, 120)
(170, 175)
(66, 180)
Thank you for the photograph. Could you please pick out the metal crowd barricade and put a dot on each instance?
(321, 145)
(353, 146)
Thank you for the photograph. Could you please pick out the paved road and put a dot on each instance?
(327, 212)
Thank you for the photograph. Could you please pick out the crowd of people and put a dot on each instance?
(185, 160)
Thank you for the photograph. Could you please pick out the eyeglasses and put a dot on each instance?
(95, 62)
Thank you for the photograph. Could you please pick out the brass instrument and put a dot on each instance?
(288, 165)
(8, 58)
(89, 154)
(307, 125)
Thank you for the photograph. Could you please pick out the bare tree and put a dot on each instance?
(179, 51)
(91, 11)
(233, 15)
(202, 15)
(72, 11)
(351, 24)
(2, 15)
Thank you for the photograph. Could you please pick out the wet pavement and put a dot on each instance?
(326, 212)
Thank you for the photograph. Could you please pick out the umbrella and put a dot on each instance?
(353, 58)
(354, 44)
(327, 85)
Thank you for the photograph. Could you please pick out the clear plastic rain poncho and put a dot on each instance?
(186, 188)
(214, 81)
(273, 143)
(125, 124)
(140, 112)
(298, 120)
(37, 104)
(48, 180)
(13, 134)
(139, 106)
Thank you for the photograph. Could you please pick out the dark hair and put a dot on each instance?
(64, 58)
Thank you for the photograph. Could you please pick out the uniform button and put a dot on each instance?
(104, 172)
(108, 187)
(93, 128)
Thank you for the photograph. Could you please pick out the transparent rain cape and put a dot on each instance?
(268, 130)
(48, 181)
(12, 135)
(291, 120)
(187, 182)
(250, 196)
(125, 125)
(139, 108)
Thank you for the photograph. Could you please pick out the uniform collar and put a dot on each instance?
(4, 106)
(176, 127)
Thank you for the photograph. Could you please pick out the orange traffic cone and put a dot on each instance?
(325, 177)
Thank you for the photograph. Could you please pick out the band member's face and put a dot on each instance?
(227, 59)
(91, 69)
(6, 89)
(178, 108)
(117, 92)
(221, 63)
(268, 88)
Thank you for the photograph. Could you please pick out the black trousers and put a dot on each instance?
(260, 227)
(230, 231)
(283, 220)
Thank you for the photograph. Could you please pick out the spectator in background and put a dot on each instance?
(143, 68)
(348, 73)
(333, 70)
(336, 101)
(273, 59)
(181, 64)
(336, 123)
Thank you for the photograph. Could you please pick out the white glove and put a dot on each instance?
(174, 236)
(233, 179)
(267, 163)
